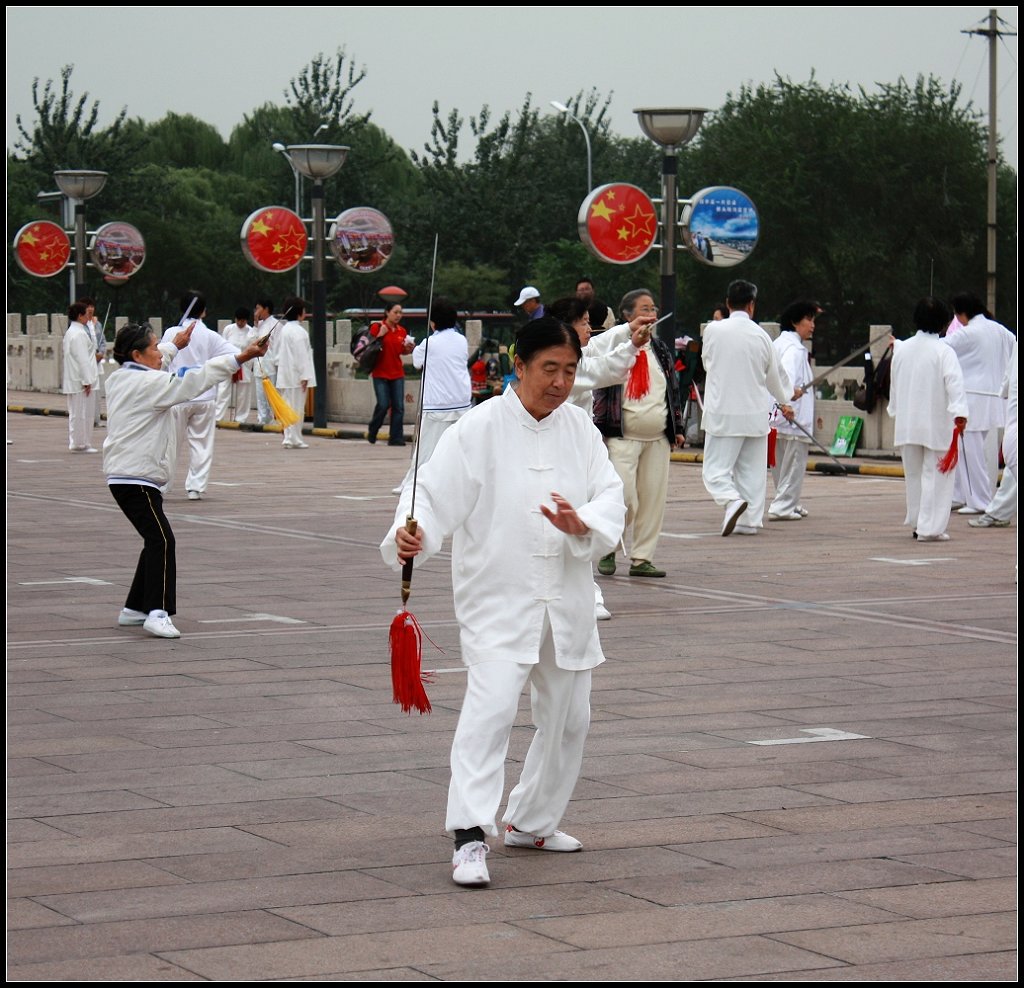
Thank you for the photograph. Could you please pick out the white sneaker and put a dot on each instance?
(732, 514)
(802, 511)
(943, 537)
(397, 490)
(965, 510)
(988, 521)
(159, 624)
(83, 449)
(603, 614)
(553, 842)
(745, 530)
(469, 864)
(793, 515)
(131, 619)
(194, 496)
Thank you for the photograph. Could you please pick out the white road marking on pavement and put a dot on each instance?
(364, 497)
(820, 734)
(911, 562)
(67, 579)
(673, 535)
(277, 618)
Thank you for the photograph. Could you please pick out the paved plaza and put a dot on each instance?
(801, 765)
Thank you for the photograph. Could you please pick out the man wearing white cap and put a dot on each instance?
(529, 301)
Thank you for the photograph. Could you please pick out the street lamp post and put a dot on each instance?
(562, 108)
(77, 185)
(318, 162)
(671, 128)
(281, 149)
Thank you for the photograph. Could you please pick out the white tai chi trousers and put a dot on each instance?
(929, 493)
(643, 468)
(234, 397)
(197, 424)
(1003, 505)
(788, 473)
(296, 398)
(560, 701)
(736, 469)
(81, 411)
(977, 469)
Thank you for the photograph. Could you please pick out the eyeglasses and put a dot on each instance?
(646, 310)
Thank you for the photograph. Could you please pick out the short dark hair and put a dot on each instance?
(294, 307)
(543, 334)
(740, 294)
(266, 303)
(131, 337)
(568, 309)
(188, 299)
(86, 300)
(443, 314)
(76, 310)
(584, 278)
(721, 307)
(932, 315)
(968, 303)
(797, 311)
(388, 306)
(629, 300)
(243, 313)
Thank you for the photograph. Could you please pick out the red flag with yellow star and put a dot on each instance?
(274, 239)
(42, 249)
(618, 223)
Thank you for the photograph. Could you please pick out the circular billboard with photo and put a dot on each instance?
(720, 226)
(118, 250)
(362, 239)
(274, 239)
(618, 223)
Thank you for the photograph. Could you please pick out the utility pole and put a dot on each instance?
(993, 33)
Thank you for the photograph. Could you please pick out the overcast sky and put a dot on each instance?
(219, 63)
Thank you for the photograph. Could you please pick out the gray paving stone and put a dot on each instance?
(246, 803)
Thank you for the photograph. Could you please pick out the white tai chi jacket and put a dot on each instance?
(926, 392)
(484, 485)
(983, 348)
(741, 363)
(795, 363)
(293, 356)
(607, 360)
(79, 351)
(203, 345)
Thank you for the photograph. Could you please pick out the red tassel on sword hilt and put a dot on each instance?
(407, 678)
(949, 459)
(639, 381)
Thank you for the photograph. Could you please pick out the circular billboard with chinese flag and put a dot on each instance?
(362, 239)
(720, 226)
(118, 250)
(274, 239)
(42, 249)
(618, 223)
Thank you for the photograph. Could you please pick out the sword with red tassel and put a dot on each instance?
(639, 381)
(406, 637)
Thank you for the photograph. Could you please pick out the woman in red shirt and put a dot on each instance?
(389, 375)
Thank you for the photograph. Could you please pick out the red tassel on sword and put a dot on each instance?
(406, 640)
(952, 455)
(639, 383)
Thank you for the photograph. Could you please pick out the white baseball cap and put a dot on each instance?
(528, 292)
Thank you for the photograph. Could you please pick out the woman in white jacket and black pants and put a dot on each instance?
(139, 452)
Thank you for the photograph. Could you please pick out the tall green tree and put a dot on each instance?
(867, 200)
